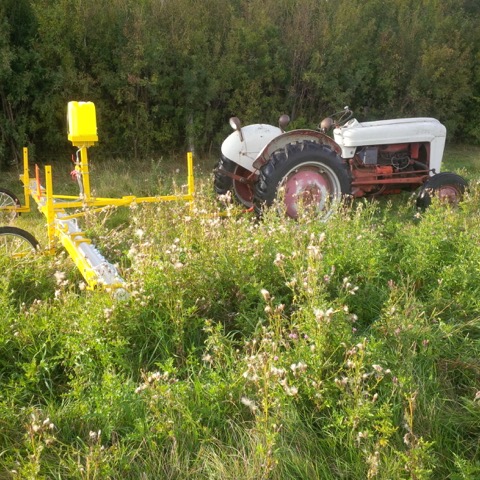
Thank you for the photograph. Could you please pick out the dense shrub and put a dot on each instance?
(167, 75)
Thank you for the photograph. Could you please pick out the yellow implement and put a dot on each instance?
(82, 132)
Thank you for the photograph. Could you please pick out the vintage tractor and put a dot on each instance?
(307, 168)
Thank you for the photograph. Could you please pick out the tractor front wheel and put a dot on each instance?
(304, 175)
(446, 186)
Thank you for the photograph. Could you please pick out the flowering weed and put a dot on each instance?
(249, 349)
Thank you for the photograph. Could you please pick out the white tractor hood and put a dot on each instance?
(404, 130)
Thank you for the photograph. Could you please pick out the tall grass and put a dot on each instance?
(273, 349)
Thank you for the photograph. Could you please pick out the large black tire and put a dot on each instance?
(8, 199)
(17, 243)
(303, 173)
(222, 183)
(448, 187)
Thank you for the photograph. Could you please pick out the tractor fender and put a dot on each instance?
(244, 145)
(294, 136)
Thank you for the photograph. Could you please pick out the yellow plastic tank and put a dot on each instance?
(82, 123)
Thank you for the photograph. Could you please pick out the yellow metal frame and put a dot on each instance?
(55, 208)
(62, 225)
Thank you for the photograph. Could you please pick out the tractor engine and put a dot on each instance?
(391, 155)
(380, 169)
(398, 156)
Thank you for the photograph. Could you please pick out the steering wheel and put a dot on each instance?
(336, 120)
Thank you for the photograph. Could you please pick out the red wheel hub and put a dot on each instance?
(243, 190)
(308, 188)
(448, 194)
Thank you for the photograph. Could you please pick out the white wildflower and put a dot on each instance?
(59, 276)
(291, 391)
(249, 403)
(265, 294)
(279, 259)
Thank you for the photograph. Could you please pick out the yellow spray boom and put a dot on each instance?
(96, 270)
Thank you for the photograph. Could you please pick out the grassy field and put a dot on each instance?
(258, 350)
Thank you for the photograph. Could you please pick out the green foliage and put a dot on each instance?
(18, 77)
(166, 75)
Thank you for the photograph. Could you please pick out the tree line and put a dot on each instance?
(167, 74)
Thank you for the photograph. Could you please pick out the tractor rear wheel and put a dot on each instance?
(446, 186)
(304, 175)
(242, 191)
(222, 183)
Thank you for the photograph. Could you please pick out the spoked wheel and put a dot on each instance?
(8, 199)
(223, 183)
(305, 176)
(17, 243)
(448, 187)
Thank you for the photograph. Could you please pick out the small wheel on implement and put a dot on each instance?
(17, 243)
(304, 175)
(448, 187)
(8, 199)
(223, 183)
